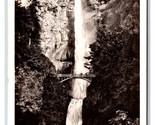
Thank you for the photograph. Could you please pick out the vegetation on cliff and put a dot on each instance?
(40, 98)
(116, 85)
(115, 62)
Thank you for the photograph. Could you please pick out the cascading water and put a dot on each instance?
(84, 36)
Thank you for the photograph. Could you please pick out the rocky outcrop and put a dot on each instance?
(117, 14)
(54, 34)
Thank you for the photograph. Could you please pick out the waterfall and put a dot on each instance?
(84, 35)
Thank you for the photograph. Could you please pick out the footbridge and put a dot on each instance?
(66, 77)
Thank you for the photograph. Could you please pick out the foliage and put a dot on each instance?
(29, 89)
(115, 62)
(55, 101)
(122, 118)
(39, 98)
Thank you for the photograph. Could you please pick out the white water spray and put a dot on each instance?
(84, 36)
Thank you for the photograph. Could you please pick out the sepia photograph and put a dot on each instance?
(77, 62)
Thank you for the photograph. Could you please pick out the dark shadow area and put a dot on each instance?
(114, 94)
(55, 101)
(116, 85)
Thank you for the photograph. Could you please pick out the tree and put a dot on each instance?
(115, 62)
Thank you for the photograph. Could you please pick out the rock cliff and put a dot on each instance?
(54, 35)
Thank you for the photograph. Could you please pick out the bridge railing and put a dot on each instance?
(76, 75)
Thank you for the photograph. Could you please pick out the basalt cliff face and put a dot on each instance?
(55, 22)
